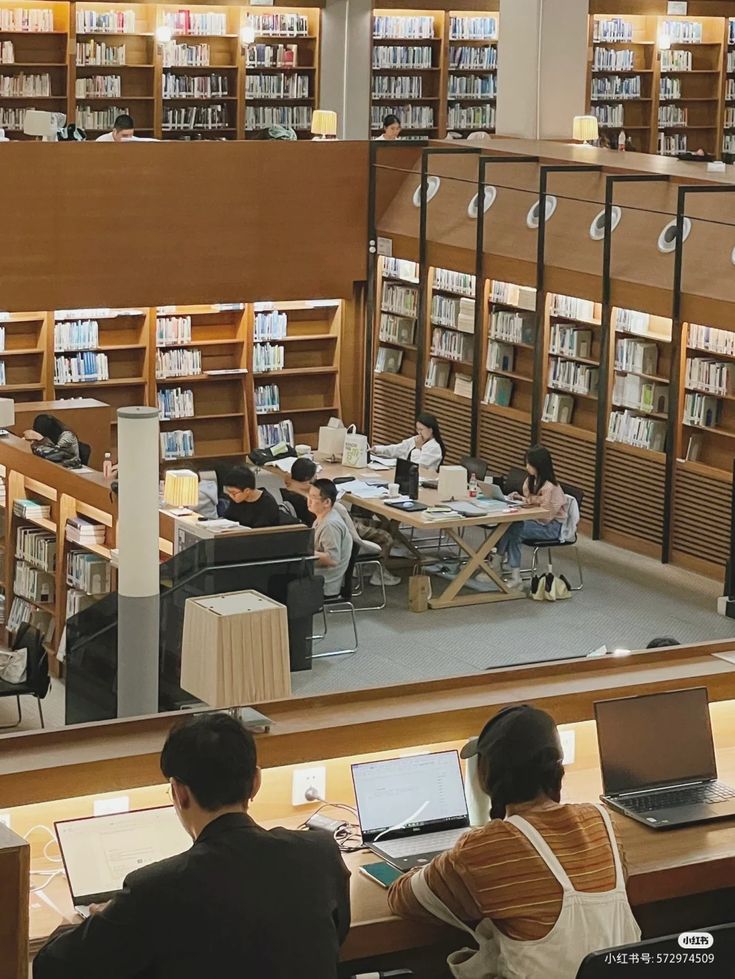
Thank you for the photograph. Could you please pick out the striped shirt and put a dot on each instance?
(494, 872)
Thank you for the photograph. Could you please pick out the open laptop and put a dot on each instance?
(100, 851)
(411, 808)
(407, 477)
(658, 759)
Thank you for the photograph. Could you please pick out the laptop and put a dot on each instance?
(493, 492)
(410, 809)
(100, 851)
(658, 759)
(407, 477)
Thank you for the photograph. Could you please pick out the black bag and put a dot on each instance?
(259, 457)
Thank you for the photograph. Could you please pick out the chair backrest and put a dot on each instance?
(271, 482)
(286, 514)
(37, 678)
(594, 965)
(474, 465)
(514, 480)
(346, 589)
(85, 451)
(574, 491)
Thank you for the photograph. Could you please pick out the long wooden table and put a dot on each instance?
(495, 522)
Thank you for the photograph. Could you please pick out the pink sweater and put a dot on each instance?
(551, 497)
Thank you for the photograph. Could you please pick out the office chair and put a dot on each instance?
(369, 556)
(37, 682)
(85, 451)
(601, 965)
(474, 465)
(332, 603)
(546, 545)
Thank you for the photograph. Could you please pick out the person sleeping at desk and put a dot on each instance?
(48, 430)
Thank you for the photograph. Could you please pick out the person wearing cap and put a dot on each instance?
(542, 884)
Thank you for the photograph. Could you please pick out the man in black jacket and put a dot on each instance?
(243, 902)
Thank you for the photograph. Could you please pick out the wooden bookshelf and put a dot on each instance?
(728, 118)
(306, 392)
(471, 67)
(24, 356)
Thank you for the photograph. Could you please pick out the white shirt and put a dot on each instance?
(109, 138)
(428, 456)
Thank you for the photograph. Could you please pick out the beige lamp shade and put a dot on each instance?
(7, 412)
(181, 488)
(324, 123)
(585, 128)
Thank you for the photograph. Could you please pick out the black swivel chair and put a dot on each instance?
(85, 451)
(604, 965)
(549, 546)
(474, 465)
(340, 603)
(37, 682)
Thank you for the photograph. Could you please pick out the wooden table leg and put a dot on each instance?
(450, 597)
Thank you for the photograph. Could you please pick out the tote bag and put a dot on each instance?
(355, 452)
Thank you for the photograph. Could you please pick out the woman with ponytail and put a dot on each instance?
(542, 883)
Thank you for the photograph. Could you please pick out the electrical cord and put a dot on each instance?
(347, 836)
(52, 842)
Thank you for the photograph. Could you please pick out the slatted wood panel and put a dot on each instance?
(455, 421)
(633, 494)
(503, 441)
(701, 516)
(574, 462)
(393, 411)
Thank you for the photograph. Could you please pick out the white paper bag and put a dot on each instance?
(355, 452)
(332, 439)
(13, 665)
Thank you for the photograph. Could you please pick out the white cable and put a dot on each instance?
(404, 822)
(53, 841)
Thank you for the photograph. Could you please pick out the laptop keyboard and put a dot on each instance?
(693, 795)
(428, 843)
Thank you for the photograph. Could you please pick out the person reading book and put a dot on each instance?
(123, 131)
(391, 128)
(249, 506)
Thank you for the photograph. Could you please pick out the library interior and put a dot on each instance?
(489, 370)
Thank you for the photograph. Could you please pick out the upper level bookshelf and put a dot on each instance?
(24, 356)
(707, 409)
(659, 80)
(472, 65)
(728, 136)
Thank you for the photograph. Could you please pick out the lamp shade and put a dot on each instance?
(324, 123)
(7, 412)
(181, 488)
(585, 128)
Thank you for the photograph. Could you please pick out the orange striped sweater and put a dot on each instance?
(494, 872)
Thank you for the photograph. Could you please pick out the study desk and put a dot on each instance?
(495, 522)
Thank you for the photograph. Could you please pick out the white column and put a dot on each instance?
(344, 78)
(138, 572)
(518, 68)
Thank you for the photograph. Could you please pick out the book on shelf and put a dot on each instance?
(78, 601)
(33, 584)
(512, 327)
(279, 24)
(399, 56)
(632, 321)
(673, 60)
(640, 394)
(176, 86)
(461, 283)
(694, 448)
(82, 531)
(701, 410)
(476, 28)
(616, 87)
(402, 300)
(612, 29)
(181, 55)
(412, 116)
(672, 145)
(471, 116)
(218, 372)
(7, 53)
(472, 87)
(100, 53)
(177, 445)
(613, 59)
(31, 509)
(267, 398)
(89, 573)
(175, 403)
(397, 329)
(568, 375)
(213, 116)
(194, 22)
(36, 547)
(171, 330)
(611, 116)
(570, 341)
(437, 375)
(710, 339)
(270, 325)
(22, 611)
(500, 356)
(410, 28)
(400, 268)
(630, 429)
(397, 87)
(463, 385)
(178, 363)
(636, 355)
(264, 116)
(465, 58)
(109, 21)
(709, 376)
(558, 408)
(272, 56)
(269, 86)
(388, 360)
(273, 433)
(33, 20)
(23, 86)
(573, 308)
(679, 32)
(83, 366)
(99, 87)
(98, 119)
(268, 357)
(450, 343)
(498, 390)
(466, 315)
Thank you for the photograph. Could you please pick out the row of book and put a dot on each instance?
(388, 360)
(402, 57)
(709, 376)
(171, 330)
(616, 86)
(473, 28)
(25, 86)
(498, 390)
(7, 53)
(398, 87)
(29, 509)
(512, 327)
(568, 375)
(669, 88)
(33, 584)
(268, 357)
(272, 56)
(194, 86)
(630, 429)
(100, 53)
(680, 32)
(177, 444)
(708, 338)
(267, 398)
(178, 363)
(175, 403)
(271, 434)
(672, 115)
(607, 59)
(729, 117)
(524, 297)
(186, 21)
(728, 143)
(79, 530)
(672, 144)
(402, 300)
(730, 89)
(196, 117)
(37, 547)
(2, 373)
(471, 117)
(558, 408)
(411, 116)
(89, 573)
(12, 119)
(400, 268)
(98, 119)
(437, 373)
(500, 356)
(632, 321)
(573, 308)
(701, 410)
(636, 355)
(105, 22)
(731, 54)
(570, 341)
(277, 86)
(613, 30)
(32, 20)
(640, 394)
(78, 601)
(280, 24)
(22, 611)
(2, 338)
(609, 115)
(98, 86)
(270, 325)
(472, 86)
(461, 283)
(397, 329)
(451, 344)
(676, 61)
(403, 27)
(186, 55)
(76, 335)
(83, 366)
(263, 116)
(458, 314)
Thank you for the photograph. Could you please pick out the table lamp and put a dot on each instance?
(324, 124)
(7, 415)
(181, 488)
(585, 129)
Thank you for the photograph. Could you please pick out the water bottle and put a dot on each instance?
(472, 490)
(107, 466)
(621, 141)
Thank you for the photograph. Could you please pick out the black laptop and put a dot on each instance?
(658, 759)
(407, 477)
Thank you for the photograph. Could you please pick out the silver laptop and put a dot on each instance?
(100, 851)
(658, 759)
(410, 809)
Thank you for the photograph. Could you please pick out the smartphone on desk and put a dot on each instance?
(381, 873)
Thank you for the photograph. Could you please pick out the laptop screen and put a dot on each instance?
(100, 851)
(418, 793)
(658, 739)
(406, 472)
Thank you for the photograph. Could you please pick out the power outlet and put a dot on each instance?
(106, 807)
(308, 778)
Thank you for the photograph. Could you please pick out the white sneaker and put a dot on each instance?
(515, 580)
(388, 578)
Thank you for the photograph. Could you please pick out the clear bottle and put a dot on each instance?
(107, 466)
(621, 141)
(472, 488)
